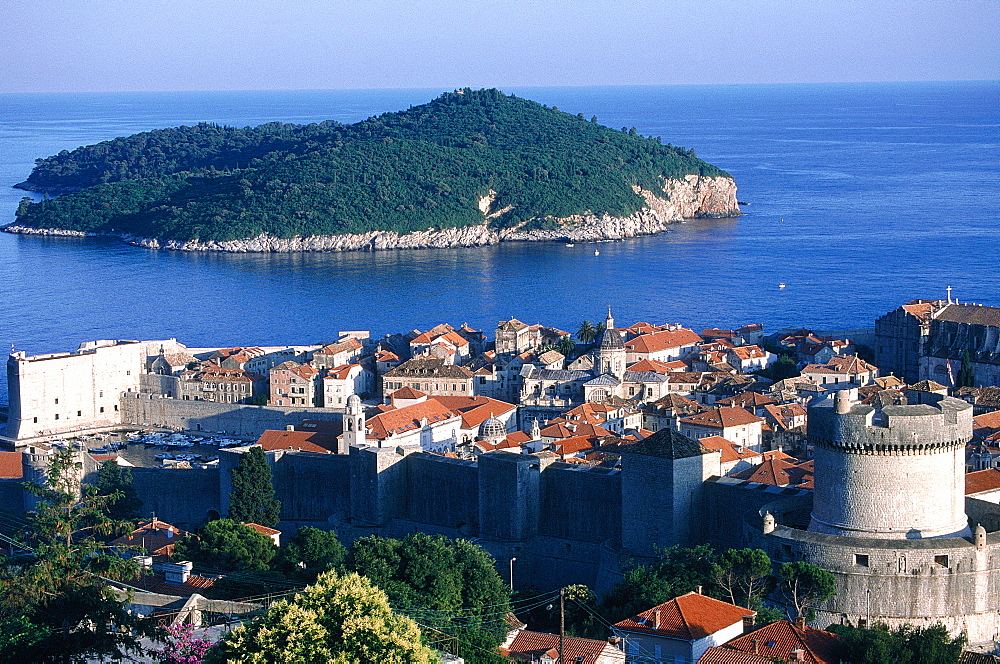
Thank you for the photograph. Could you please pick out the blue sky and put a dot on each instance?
(113, 45)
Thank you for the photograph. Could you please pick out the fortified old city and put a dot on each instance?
(869, 455)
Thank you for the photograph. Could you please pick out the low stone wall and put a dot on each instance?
(238, 420)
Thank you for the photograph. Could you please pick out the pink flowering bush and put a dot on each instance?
(181, 646)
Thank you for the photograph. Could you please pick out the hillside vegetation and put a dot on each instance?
(429, 166)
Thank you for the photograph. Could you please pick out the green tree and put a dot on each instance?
(228, 545)
(587, 332)
(453, 584)
(309, 553)
(338, 619)
(565, 346)
(113, 479)
(252, 498)
(56, 605)
(744, 575)
(880, 644)
(966, 375)
(803, 586)
(678, 570)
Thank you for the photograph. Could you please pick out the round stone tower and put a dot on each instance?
(895, 472)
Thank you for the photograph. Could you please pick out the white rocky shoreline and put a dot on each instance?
(693, 197)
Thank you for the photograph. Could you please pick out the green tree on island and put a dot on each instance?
(252, 498)
(339, 619)
(55, 604)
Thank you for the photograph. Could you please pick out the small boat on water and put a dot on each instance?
(570, 244)
(596, 252)
(781, 285)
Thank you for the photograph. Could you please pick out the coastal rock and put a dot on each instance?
(693, 197)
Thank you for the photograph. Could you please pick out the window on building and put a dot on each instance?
(79, 413)
(941, 561)
(861, 559)
(57, 402)
(57, 416)
(34, 420)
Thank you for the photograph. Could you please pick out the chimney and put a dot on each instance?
(798, 655)
(697, 590)
(748, 623)
(800, 622)
(756, 646)
(656, 620)
(289, 427)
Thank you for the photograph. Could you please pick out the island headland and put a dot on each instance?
(469, 168)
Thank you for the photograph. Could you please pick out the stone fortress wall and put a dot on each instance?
(888, 518)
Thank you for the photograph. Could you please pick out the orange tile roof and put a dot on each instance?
(475, 410)
(572, 445)
(982, 480)
(154, 537)
(748, 352)
(386, 356)
(407, 418)
(407, 393)
(747, 400)
(657, 341)
(342, 372)
(986, 424)
(570, 429)
(689, 617)
(10, 466)
(730, 451)
(722, 417)
(780, 638)
(307, 441)
(777, 471)
(654, 366)
(536, 643)
(263, 530)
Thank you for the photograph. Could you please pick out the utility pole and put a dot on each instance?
(562, 623)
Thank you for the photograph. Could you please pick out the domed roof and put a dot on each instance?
(492, 429)
(610, 340)
(353, 400)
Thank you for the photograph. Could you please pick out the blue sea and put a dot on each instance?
(860, 197)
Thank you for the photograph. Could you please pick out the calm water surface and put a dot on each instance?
(861, 197)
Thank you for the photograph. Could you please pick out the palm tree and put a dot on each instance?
(587, 332)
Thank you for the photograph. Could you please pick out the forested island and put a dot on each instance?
(470, 167)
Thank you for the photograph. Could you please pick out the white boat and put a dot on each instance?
(164, 455)
(570, 244)
(781, 285)
(596, 252)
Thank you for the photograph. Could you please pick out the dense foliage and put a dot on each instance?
(252, 497)
(225, 544)
(308, 554)
(450, 587)
(338, 619)
(114, 480)
(55, 605)
(428, 166)
(908, 644)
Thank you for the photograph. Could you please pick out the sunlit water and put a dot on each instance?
(861, 197)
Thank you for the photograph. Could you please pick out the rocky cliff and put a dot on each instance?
(694, 196)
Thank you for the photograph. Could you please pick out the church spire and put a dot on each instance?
(609, 322)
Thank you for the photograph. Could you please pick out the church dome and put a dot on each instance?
(492, 429)
(610, 340)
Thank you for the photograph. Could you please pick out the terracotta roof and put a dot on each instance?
(779, 639)
(307, 441)
(747, 400)
(10, 466)
(573, 445)
(928, 386)
(475, 410)
(386, 356)
(342, 372)
(194, 584)
(724, 655)
(982, 480)
(887, 382)
(922, 309)
(407, 393)
(512, 324)
(407, 418)
(154, 537)
(986, 424)
(730, 451)
(781, 415)
(527, 644)
(689, 617)
(570, 429)
(841, 364)
(778, 471)
(748, 352)
(657, 341)
(263, 530)
(654, 366)
(724, 416)
(340, 347)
